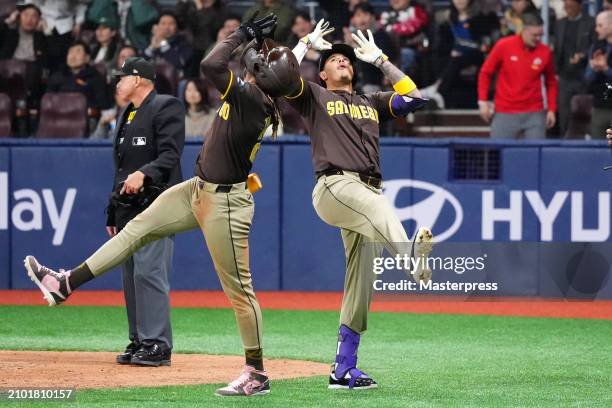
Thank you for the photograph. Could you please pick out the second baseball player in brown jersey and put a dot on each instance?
(344, 131)
(216, 200)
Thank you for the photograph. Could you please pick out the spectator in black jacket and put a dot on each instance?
(465, 36)
(167, 45)
(124, 53)
(106, 46)
(574, 36)
(363, 17)
(79, 76)
(27, 43)
(301, 27)
(598, 72)
(202, 19)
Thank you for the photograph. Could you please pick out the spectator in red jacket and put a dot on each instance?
(407, 21)
(519, 61)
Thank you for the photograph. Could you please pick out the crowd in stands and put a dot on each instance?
(71, 46)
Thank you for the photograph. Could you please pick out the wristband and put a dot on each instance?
(306, 40)
(404, 86)
(380, 60)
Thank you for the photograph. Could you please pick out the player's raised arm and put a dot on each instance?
(313, 40)
(215, 65)
(369, 52)
(408, 97)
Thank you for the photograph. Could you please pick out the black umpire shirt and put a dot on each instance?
(149, 138)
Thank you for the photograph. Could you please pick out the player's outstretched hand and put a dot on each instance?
(258, 29)
(315, 38)
(367, 50)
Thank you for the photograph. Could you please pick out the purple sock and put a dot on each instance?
(346, 355)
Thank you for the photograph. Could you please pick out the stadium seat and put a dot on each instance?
(449, 122)
(6, 115)
(581, 107)
(166, 78)
(63, 115)
(13, 78)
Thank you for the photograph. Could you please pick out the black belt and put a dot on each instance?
(221, 188)
(371, 181)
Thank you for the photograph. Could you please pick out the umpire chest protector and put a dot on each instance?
(136, 140)
(149, 138)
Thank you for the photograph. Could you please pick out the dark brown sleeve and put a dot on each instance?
(381, 101)
(215, 65)
(301, 100)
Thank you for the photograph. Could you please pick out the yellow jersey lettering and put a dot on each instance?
(346, 108)
(224, 110)
(267, 124)
(371, 113)
(338, 107)
(364, 111)
(355, 111)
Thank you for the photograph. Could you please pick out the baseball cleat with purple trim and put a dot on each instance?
(55, 286)
(353, 379)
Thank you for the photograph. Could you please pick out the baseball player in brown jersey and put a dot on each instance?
(344, 133)
(216, 200)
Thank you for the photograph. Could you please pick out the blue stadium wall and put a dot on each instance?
(543, 207)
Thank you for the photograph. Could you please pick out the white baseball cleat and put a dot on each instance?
(422, 245)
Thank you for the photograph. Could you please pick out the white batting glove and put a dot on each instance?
(367, 51)
(315, 39)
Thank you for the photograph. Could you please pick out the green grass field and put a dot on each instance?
(418, 360)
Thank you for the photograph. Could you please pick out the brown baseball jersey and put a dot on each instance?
(343, 127)
(236, 132)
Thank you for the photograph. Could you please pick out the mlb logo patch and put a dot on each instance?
(139, 141)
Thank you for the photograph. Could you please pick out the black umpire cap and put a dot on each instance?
(136, 66)
(339, 48)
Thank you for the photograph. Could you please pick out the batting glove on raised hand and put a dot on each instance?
(367, 50)
(258, 29)
(315, 39)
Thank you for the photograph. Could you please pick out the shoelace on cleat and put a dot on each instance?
(241, 381)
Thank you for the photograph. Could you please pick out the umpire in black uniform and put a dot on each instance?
(148, 144)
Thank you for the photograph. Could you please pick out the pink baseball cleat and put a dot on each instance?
(251, 382)
(54, 285)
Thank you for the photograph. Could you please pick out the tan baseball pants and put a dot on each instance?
(368, 223)
(225, 220)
